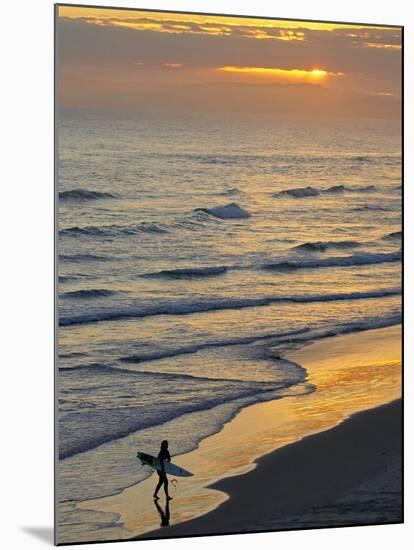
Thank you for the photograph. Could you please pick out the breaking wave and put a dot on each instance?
(188, 273)
(227, 212)
(321, 246)
(370, 208)
(214, 304)
(341, 261)
(299, 192)
(89, 293)
(81, 258)
(80, 195)
(395, 236)
(113, 230)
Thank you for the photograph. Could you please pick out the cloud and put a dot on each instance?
(112, 61)
(250, 28)
(231, 27)
(84, 43)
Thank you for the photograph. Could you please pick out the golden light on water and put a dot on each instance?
(351, 373)
(383, 46)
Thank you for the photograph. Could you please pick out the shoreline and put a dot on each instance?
(352, 372)
(328, 479)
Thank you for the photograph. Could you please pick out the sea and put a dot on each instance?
(194, 249)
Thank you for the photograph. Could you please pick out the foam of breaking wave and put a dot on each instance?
(104, 425)
(372, 323)
(206, 393)
(186, 350)
(184, 434)
(338, 261)
(214, 304)
(228, 212)
(299, 192)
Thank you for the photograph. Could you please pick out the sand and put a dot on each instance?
(300, 461)
(349, 475)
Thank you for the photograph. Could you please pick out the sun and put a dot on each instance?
(319, 72)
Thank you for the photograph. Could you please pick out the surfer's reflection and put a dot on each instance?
(164, 514)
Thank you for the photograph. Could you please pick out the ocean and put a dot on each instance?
(194, 249)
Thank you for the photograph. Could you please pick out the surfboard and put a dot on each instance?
(169, 467)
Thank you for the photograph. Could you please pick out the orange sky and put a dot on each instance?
(108, 56)
(126, 17)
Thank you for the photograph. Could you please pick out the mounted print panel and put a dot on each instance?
(229, 235)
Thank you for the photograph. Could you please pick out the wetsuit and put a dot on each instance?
(163, 455)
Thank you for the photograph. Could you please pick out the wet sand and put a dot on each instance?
(348, 473)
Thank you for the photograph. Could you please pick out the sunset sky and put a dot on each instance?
(139, 60)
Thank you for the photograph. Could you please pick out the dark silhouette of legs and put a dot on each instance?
(166, 488)
(160, 482)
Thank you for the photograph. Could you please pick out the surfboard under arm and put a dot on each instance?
(169, 468)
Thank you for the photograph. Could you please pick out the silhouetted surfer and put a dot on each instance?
(163, 480)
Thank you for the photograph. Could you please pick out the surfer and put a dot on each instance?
(163, 455)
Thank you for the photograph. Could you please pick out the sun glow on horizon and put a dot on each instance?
(161, 54)
(319, 72)
(302, 75)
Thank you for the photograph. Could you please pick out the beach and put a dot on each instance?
(227, 288)
(313, 458)
(349, 475)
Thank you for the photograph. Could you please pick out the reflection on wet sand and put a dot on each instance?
(164, 513)
(351, 373)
